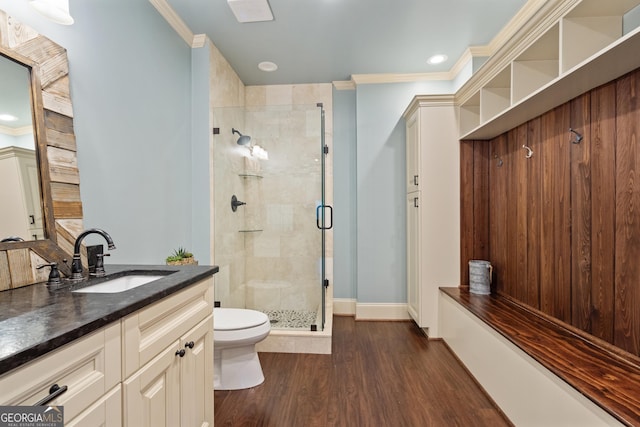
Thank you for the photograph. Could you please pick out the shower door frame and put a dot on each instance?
(322, 217)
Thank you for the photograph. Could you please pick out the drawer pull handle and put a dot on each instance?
(54, 392)
(190, 344)
(181, 352)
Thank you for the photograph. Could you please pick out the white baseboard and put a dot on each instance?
(381, 311)
(369, 311)
(344, 306)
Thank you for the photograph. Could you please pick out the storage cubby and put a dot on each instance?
(591, 26)
(536, 66)
(470, 114)
(495, 97)
(581, 47)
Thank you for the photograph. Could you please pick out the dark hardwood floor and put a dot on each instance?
(380, 374)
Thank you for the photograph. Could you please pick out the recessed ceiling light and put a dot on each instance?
(8, 118)
(437, 59)
(267, 66)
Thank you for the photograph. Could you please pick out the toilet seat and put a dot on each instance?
(233, 319)
(234, 327)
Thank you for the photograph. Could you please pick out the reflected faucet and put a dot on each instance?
(12, 239)
(76, 263)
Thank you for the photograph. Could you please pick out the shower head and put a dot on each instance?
(244, 139)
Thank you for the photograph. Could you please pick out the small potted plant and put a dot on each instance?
(181, 256)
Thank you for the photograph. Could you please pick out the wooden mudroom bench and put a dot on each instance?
(605, 375)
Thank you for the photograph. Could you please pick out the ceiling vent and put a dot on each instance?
(251, 10)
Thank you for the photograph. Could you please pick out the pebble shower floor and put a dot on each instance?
(291, 319)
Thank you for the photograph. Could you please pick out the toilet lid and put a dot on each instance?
(228, 319)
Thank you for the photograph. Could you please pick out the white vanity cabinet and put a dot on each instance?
(433, 205)
(168, 361)
(90, 368)
(153, 368)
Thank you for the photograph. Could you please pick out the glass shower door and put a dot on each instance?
(271, 250)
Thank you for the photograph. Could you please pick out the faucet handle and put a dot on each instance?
(54, 274)
(100, 264)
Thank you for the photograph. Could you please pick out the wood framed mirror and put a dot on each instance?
(55, 147)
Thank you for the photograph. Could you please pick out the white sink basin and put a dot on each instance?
(120, 284)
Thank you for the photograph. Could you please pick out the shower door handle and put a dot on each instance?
(321, 226)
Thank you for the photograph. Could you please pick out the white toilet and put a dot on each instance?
(235, 360)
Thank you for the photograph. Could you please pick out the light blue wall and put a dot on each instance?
(344, 192)
(131, 88)
(140, 98)
(379, 171)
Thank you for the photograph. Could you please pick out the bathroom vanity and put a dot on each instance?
(142, 357)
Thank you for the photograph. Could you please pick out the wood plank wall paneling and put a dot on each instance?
(603, 199)
(534, 216)
(482, 158)
(474, 182)
(466, 208)
(627, 237)
(562, 228)
(581, 210)
(498, 212)
(520, 211)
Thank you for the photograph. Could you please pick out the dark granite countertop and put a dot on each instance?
(35, 320)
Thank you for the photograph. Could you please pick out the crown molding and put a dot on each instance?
(429, 101)
(199, 40)
(526, 12)
(344, 85)
(174, 20)
(398, 78)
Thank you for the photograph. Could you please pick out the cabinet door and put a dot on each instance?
(413, 153)
(413, 255)
(152, 394)
(149, 331)
(196, 372)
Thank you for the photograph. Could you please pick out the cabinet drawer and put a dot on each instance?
(88, 367)
(106, 412)
(146, 333)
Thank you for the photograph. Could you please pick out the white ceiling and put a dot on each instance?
(320, 41)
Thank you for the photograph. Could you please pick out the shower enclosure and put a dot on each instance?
(271, 244)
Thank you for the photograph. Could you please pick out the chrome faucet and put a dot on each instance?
(76, 263)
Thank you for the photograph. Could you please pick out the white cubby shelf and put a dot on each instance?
(586, 47)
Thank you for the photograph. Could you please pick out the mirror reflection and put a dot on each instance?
(20, 206)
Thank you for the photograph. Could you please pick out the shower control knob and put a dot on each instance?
(190, 344)
(181, 352)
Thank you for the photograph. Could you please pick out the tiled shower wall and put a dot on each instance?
(280, 241)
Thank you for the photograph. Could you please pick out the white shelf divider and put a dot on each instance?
(495, 97)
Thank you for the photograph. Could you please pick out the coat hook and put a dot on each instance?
(578, 136)
(529, 151)
(500, 162)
